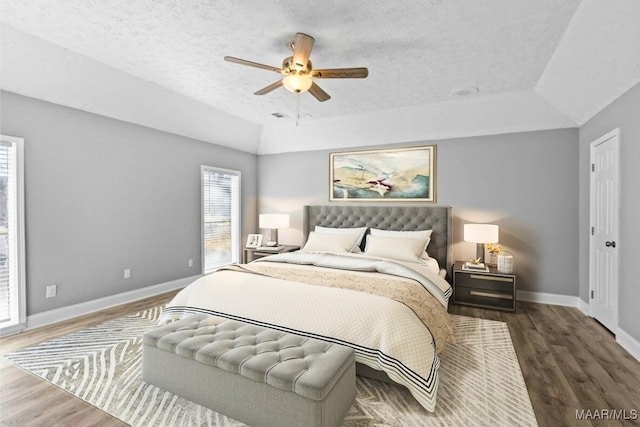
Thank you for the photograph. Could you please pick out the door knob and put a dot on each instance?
(610, 244)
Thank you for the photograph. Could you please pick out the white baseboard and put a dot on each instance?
(629, 343)
(69, 312)
(545, 298)
(584, 307)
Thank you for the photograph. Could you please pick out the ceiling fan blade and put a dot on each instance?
(269, 88)
(302, 46)
(319, 94)
(341, 73)
(252, 64)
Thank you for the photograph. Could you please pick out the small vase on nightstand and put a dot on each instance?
(493, 260)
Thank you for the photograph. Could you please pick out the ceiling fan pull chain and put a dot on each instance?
(297, 109)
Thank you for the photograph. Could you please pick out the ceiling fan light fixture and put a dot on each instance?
(298, 71)
(297, 83)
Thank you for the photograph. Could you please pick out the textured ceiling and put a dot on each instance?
(417, 51)
(597, 60)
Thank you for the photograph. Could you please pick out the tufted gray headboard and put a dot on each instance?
(399, 218)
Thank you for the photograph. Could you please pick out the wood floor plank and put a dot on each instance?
(582, 386)
(618, 395)
(549, 383)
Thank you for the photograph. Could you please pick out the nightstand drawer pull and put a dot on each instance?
(491, 278)
(490, 295)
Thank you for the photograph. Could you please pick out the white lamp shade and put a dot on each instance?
(481, 233)
(273, 221)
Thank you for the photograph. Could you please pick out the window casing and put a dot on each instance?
(12, 252)
(220, 217)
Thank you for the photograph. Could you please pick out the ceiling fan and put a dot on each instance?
(298, 72)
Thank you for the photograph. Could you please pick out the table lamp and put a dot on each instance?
(480, 234)
(273, 222)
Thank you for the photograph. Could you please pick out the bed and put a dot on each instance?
(367, 293)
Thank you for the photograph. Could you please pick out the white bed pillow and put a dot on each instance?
(398, 248)
(417, 234)
(319, 242)
(358, 231)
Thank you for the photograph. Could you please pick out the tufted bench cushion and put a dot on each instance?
(256, 375)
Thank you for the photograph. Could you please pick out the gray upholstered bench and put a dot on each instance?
(256, 375)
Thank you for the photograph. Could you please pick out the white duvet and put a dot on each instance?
(386, 334)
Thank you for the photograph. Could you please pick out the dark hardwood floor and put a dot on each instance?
(568, 360)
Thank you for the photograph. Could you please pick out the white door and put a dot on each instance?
(604, 245)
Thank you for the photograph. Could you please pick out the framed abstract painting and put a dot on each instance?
(398, 174)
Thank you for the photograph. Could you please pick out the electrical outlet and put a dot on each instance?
(190, 263)
(127, 273)
(52, 291)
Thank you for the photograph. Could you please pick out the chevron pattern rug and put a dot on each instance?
(480, 380)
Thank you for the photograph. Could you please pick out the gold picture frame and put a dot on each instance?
(393, 174)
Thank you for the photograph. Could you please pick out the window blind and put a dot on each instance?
(5, 282)
(12, 307)
(220, 217)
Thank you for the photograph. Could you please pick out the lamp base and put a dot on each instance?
(273, 238)
(480, 251)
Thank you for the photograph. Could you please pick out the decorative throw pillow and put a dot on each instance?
(357, 231)
(340, 243)
(398, 248)
(417, 234)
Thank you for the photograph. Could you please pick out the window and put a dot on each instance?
(12, 271)
(220, 217)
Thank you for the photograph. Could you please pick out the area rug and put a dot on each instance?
(480, 380)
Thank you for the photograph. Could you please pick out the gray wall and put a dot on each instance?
(103, 195)
(625, 114)
(527, 183)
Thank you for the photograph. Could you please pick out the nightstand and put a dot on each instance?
(484, 289)
(251, 254)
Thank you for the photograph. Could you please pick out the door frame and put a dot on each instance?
(615, 133)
